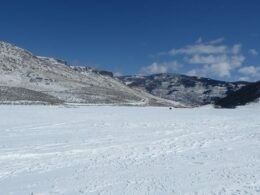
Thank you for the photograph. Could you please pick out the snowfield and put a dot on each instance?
(129, 150)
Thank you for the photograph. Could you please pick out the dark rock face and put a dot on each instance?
(246, 94)
(86, 69)
(106, 73)
(188, 90)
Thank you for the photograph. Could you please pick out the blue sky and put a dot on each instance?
(212, 38)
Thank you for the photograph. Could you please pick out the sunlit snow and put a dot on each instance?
(129, 150)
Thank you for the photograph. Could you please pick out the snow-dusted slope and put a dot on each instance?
(50, 150)
(18, 95)
(21, 69)
(255, 104)
(191, 91)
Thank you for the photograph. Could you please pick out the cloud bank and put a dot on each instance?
(248, 72)
(162, 67)
(206, 59)
(213, 58)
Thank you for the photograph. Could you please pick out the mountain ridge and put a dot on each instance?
(21, 69)
(188, 90)
(28, 77)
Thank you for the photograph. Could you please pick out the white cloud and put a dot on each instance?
(206, 48)
(236, 49)
(199, 40)
(221, 69)
(209, 59)
(199, 49)
(163, 67)
(253, 52)
(206, 59)
(251, 71)
(244, 79)
(213, 57)
(233, 61)
(217, 41)
(212, 42)
(215, 65)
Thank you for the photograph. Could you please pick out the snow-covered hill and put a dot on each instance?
(191, 91)
(20, 69)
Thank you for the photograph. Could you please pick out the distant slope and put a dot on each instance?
(190, 91)
(21, 69)
(17, 95)
(243, 96)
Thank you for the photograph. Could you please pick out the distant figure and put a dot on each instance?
(170, 108)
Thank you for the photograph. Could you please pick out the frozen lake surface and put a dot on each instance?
(129, 150)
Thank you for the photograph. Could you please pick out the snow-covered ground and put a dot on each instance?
(129, 150)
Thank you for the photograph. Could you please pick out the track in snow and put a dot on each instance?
(129, 150)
